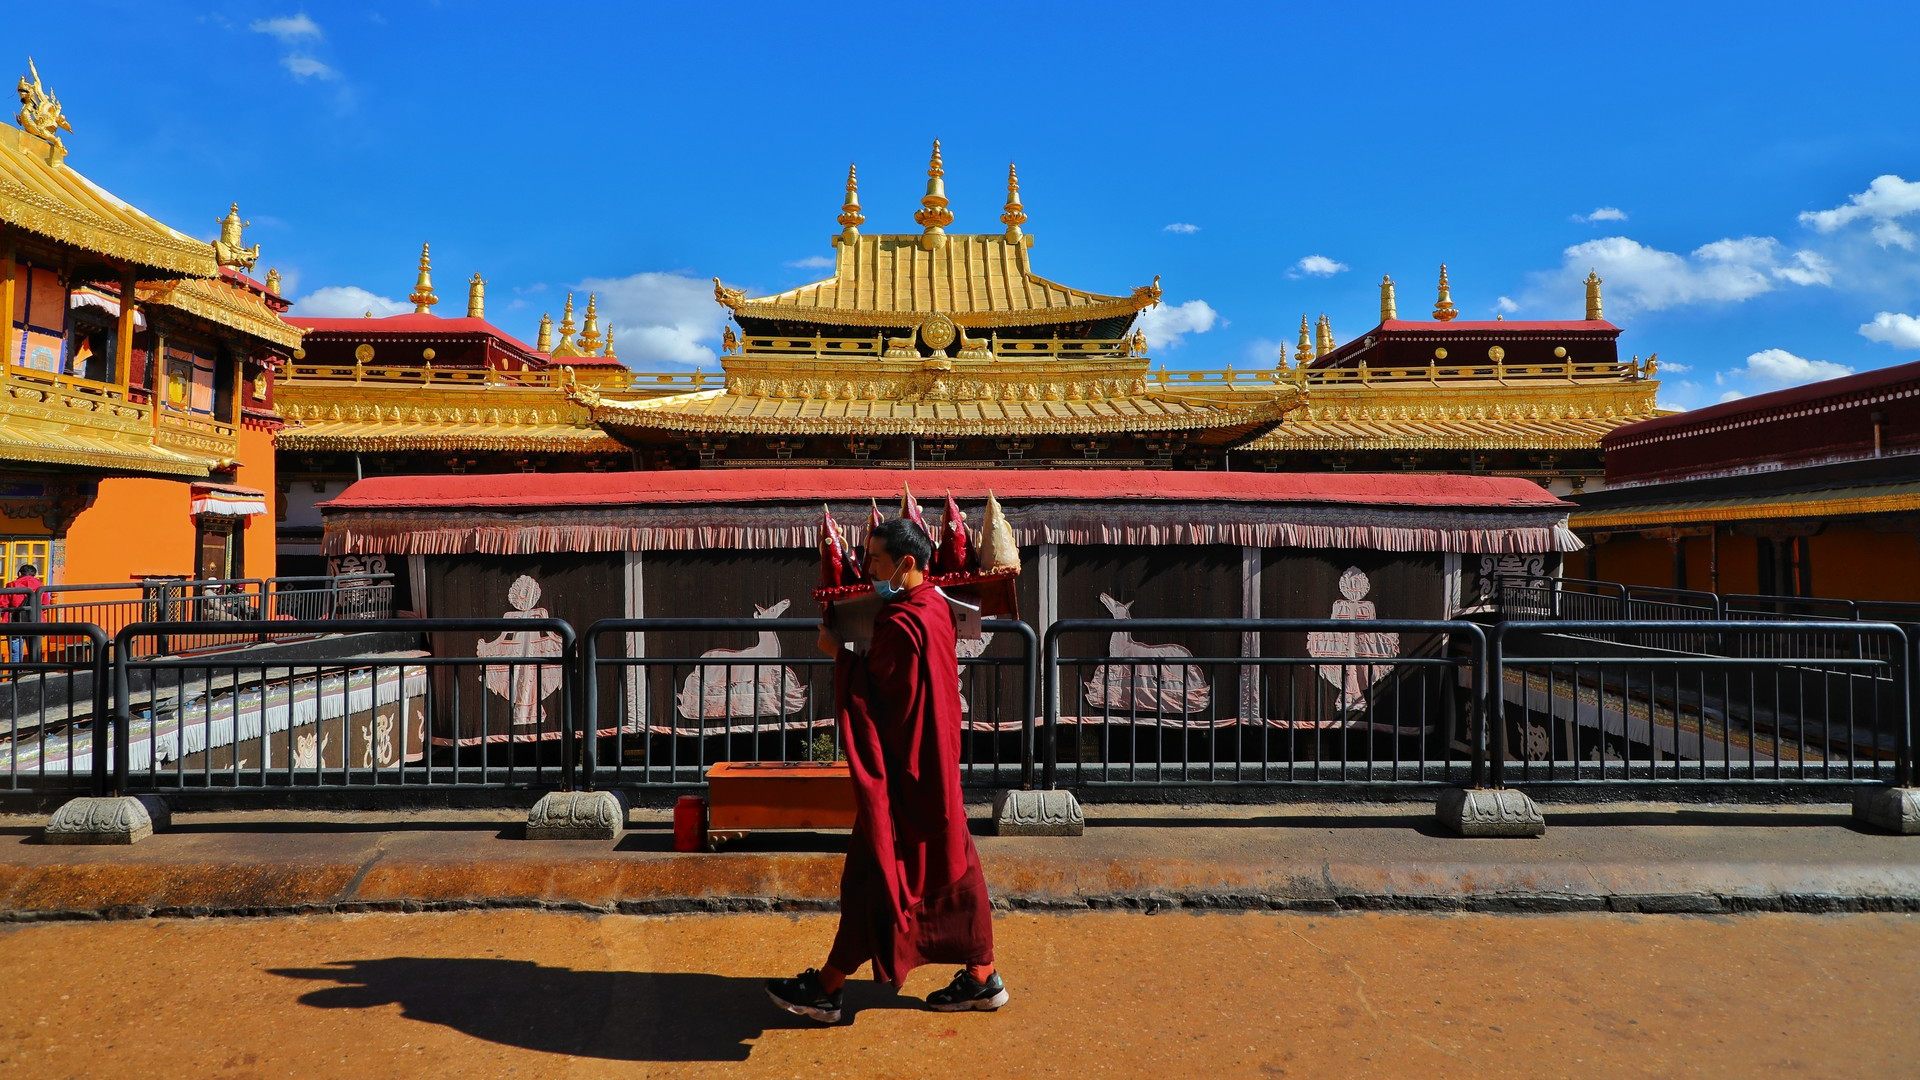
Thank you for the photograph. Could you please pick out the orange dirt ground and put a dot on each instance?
(523, 993)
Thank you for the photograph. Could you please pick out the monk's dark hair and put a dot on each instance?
(902, 538)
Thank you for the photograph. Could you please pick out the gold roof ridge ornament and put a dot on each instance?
(1323, 330)
(609, 350)
(229, 250)
(1305, 349)
(1013, 215)
(40, 114)
(1593, 296)
(1388, 310)
(590, 331)
(273, 280)
(567, 345)
(850, 218)
(543, 341)
(477, 297)
(935, 213)
(422, 294)
(1443, 308)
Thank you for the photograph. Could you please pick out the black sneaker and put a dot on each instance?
(802, 996)
(963, 993)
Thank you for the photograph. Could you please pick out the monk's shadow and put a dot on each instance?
(615, 1015)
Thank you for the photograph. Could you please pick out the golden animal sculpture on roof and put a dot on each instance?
(40, 113)
(229, 249)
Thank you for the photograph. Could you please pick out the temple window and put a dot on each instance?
(39, 319)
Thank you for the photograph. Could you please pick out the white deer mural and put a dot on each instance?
(1147, 688)
(754, 688)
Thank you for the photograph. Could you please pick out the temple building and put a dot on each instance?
(1509, 398)
(937, 349)
(1811, 491)
(137, 370)
(423, 393)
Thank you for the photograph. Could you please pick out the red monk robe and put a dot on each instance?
(912, 892)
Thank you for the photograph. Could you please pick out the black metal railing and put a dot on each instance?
(51, 702)
(1768, 702)
(1319, 701)
(667, 701)
(112, 607)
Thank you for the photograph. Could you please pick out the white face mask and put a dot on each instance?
(887, 590)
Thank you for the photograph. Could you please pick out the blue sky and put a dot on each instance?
(1746, 177)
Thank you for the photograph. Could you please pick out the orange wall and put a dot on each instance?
(1635, 561)
(135, 527)
(1861, 564)
(256, 470)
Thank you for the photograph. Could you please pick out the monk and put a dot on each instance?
(911, 891)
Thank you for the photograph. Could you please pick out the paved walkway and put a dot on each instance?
(554, 995)
(1675, 859)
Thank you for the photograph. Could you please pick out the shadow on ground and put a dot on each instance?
(615, 1015)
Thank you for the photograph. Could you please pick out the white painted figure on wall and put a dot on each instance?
(1352, 680)
(748, 685)
(969, 649)
(1175, 688)
(524, 685)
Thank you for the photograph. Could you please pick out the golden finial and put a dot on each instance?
(1593, 296)
(40, 113)
(1324, 336)
(934, 215)
(422, 294)
(850, 216)
(1015, 215)
(1388, 312)
(1281, 360)
(477, 298)
(609, 353)
(566, 322)
(590, 333)
(273, 280)
(228, 250)
(1443, 309)
(544, 342)
(1305, 349)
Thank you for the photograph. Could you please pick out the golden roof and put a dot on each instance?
(225, 303)
(722, 411)
(1394, 434)
(975, 280)
(51, 200)
(340, 414)
(51, 424)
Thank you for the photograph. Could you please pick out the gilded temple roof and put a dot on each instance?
(223, 302)
(977, 281)
(40, 194)
(727, 412)
(337, 414)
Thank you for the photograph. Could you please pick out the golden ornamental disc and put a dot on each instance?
(363, 354)
(1496, 354)
(938, 331)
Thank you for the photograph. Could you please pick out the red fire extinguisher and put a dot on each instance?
(690, 824)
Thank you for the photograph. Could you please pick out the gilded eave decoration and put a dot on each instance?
(223, 304)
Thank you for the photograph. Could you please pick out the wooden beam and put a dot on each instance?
(123, 337)
(7, 300)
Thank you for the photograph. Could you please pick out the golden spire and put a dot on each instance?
(566, 322)
(933, 215)
(1443, 309)
(544, 342)
(590, 333)
(1305, 349)
(1015, 215)
(477, 298)
(1593, 296)
(273, 280)
(609, 353)
(422, 294)
(1388, 313)
(850, 216)
(1323, 333)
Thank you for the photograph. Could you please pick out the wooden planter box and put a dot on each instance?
(743, 796)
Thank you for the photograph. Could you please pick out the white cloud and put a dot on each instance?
(1771, 369)
(1603, 213)
(346, 302)
(660, 319)
(1893, 328)
(1887, 198)
(1642, 278)
(1317, 266)
(287, 28)
(812, 262)
(1730, 395)
(1166, 324)
(1891, 234)
(1182, 227)
(1669, 368)
(1505, 305)
(306, 67)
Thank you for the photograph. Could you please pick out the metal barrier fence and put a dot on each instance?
(404, 718)
(49, 710)
(1585, 701)
(1308, 701)
(182, 600)
(666, 703)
